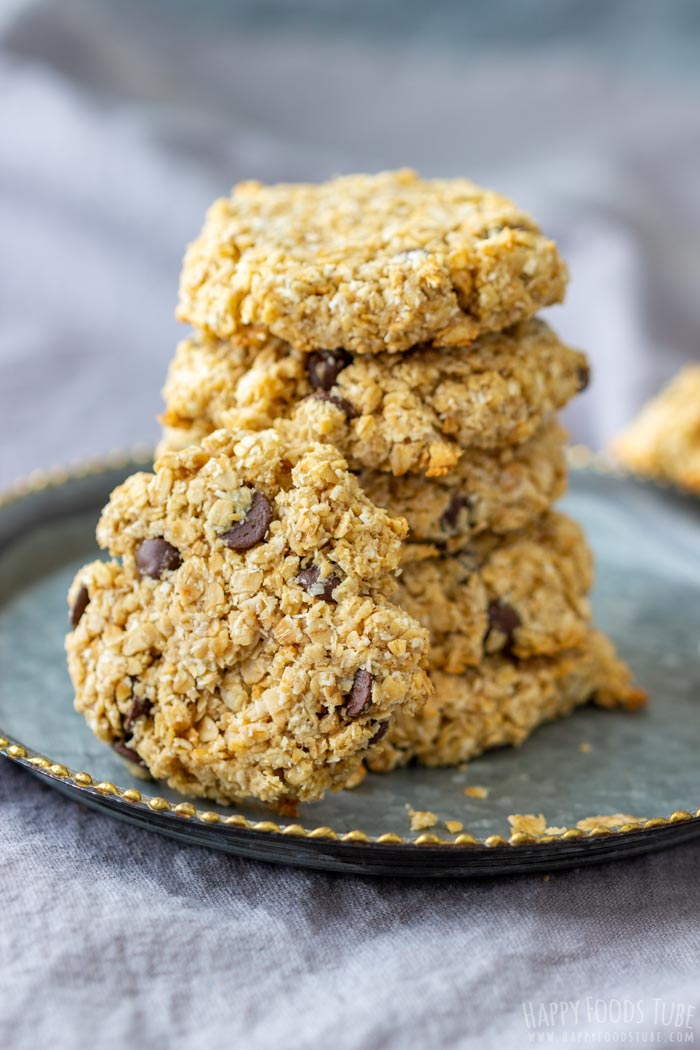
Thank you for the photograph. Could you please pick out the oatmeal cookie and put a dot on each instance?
(413, 413)
(246, 644)
(501, 702)
(372, 263)
(523, 594)
(495, 490)
(664, 440)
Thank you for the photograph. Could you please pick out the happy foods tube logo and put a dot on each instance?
(594, 1021)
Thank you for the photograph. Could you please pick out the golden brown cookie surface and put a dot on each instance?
(371, 263)
(495, 490)
(246, 644)
(524, 594)
(501, 702)
(413, 413)
(664, 440)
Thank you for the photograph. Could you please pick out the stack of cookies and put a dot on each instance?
(375, 338)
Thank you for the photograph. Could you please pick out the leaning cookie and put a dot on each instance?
(501, 702)
(246, 644)
(416, 413)
(664, 440)
(370, 263)
(523, 594)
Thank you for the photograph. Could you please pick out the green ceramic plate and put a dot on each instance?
(647, 543)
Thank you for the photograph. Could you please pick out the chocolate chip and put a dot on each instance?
(583, 377)
(339, 402)
(253, 529)
(139, 706)
(450, 517)
(154, 557)
(310, 580)
(324, 367)
(382, 728)
(129, 754)
(503, 618)
(360, 696)
(79, 606)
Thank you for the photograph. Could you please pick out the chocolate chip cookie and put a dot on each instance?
(501, 702)
(371, 263)
(495, 490)
(523, 594)
(245, 642)
(417, 412)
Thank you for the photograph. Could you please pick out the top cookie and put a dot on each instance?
(371, 263)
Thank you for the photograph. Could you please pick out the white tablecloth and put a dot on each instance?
(117, 129)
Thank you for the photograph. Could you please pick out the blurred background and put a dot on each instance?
(121, 122)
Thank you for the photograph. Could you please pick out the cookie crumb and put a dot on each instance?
(546, 878)
(612, 820)
(453, 826)
(476, 791)
(584, 748)
(421, 819)
(527, 823)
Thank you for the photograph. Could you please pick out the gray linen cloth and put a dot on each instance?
(119, 124)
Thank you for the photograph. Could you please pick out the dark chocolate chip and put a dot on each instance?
(360, 696)
(339, 402)
(253, 529)
(451, 515)
(79, 606)
(154, 557)
(324, 367)
(139, 706)
(503, 618)
(382, 728)
(129, 754)
(310, 580)
(583, 377)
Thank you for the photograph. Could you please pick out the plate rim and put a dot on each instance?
(579, 457)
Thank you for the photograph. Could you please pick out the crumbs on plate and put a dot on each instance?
(476, 791)
(527, 824)
(422, 819)
(612, 820)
